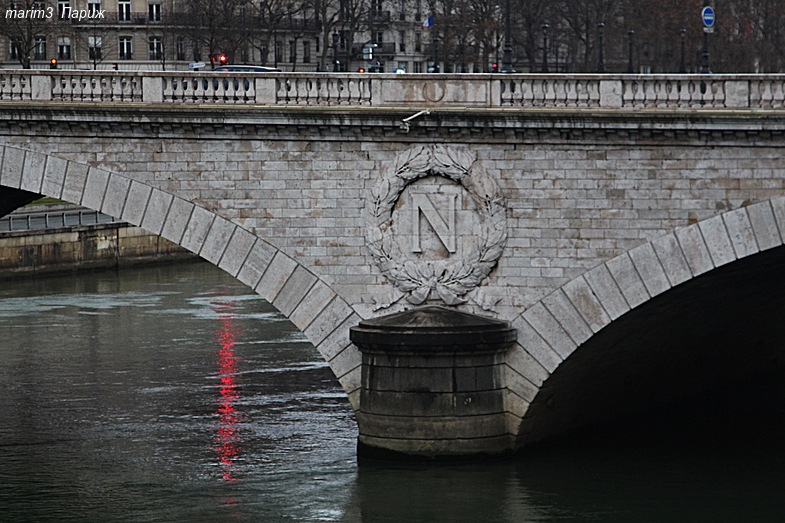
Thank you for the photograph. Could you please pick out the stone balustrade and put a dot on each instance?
(570, 91)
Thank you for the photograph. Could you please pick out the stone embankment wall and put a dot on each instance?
(63, 249)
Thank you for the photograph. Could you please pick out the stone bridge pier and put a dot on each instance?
(625, 232)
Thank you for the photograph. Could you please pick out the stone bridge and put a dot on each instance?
(628, 227)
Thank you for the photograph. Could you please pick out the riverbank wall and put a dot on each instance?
(98, 246)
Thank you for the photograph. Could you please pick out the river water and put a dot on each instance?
(174, 394)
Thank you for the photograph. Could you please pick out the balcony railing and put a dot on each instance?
(523, 91)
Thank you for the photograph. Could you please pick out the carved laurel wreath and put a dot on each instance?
(449, 279)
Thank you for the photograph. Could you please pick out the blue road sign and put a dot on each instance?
(708, 16)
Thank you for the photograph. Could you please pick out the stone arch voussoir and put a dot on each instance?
(317, 310)
(553, 328)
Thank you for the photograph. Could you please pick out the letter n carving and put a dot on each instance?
(443, 226)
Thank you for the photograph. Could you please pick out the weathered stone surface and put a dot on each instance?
(603, 211)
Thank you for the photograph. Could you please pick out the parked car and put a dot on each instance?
(245, 69)
(241, 69)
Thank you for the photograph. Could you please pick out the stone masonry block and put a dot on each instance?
(695, 250)
(549, 328)
(607, 291)
(197, 229)
(33, 174)
(75, 178)
(522, 362)
(565, 313)
(54, 177)
(764, 224)
(349, 377)
(514, 405)
(717, 240)
(136, 203)
(586, 303)
(13, 166)
(237, 251)
(338, 339)
(275, 276)
(156, 212)
(294, 290)
(95, 188)
(650, 269)
(534, 344)
(217, 239)
(256, 263)
(317, 299)
(740, 231)
(672, 259)
(176, 219)
(335, 313)
(778, 206)
(116, 195)
(519, 385)
(629, 281)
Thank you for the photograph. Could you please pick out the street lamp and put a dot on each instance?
(507, 56)
(545, 48)
(630, 65)
(335, 51)
(683, 62)
(601, 59)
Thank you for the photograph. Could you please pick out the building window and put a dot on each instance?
(93, 7)
(402, 9)
(180, 48)
(278, 51)
(417, 10)
(63, 47)
(197, 52)
(61, 8)
(417, 67)
(39, 48)
(403, 67)
(124, 10)
(402, 39)
(156, 48)
(94, 45)
(306, 52)
(154, 12)
(14, 48)
(417, 42)
(293, 51)
(378, 37)
(126, 48)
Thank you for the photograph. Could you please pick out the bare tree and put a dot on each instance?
(27, 25)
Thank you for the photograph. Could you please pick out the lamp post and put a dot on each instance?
(335, 52)
(630, 65)
(683, 62)
(507, 56)
(601, 59)
(545, 48)
(705, 53)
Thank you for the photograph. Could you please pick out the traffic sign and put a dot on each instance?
(707, 15)
(197, 65)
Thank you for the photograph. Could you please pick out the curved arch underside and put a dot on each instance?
(315, 308)
(724, 330)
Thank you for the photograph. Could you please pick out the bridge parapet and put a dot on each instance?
(528, 91)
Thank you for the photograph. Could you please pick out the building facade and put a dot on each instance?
(380, 35)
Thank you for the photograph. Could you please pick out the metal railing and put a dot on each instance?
(52, 220)
(526, 91)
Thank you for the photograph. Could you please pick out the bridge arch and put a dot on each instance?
(668, 279)
(304, 298)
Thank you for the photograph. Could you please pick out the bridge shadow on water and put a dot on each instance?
(675, 412)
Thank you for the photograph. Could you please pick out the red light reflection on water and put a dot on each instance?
(228, 441)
